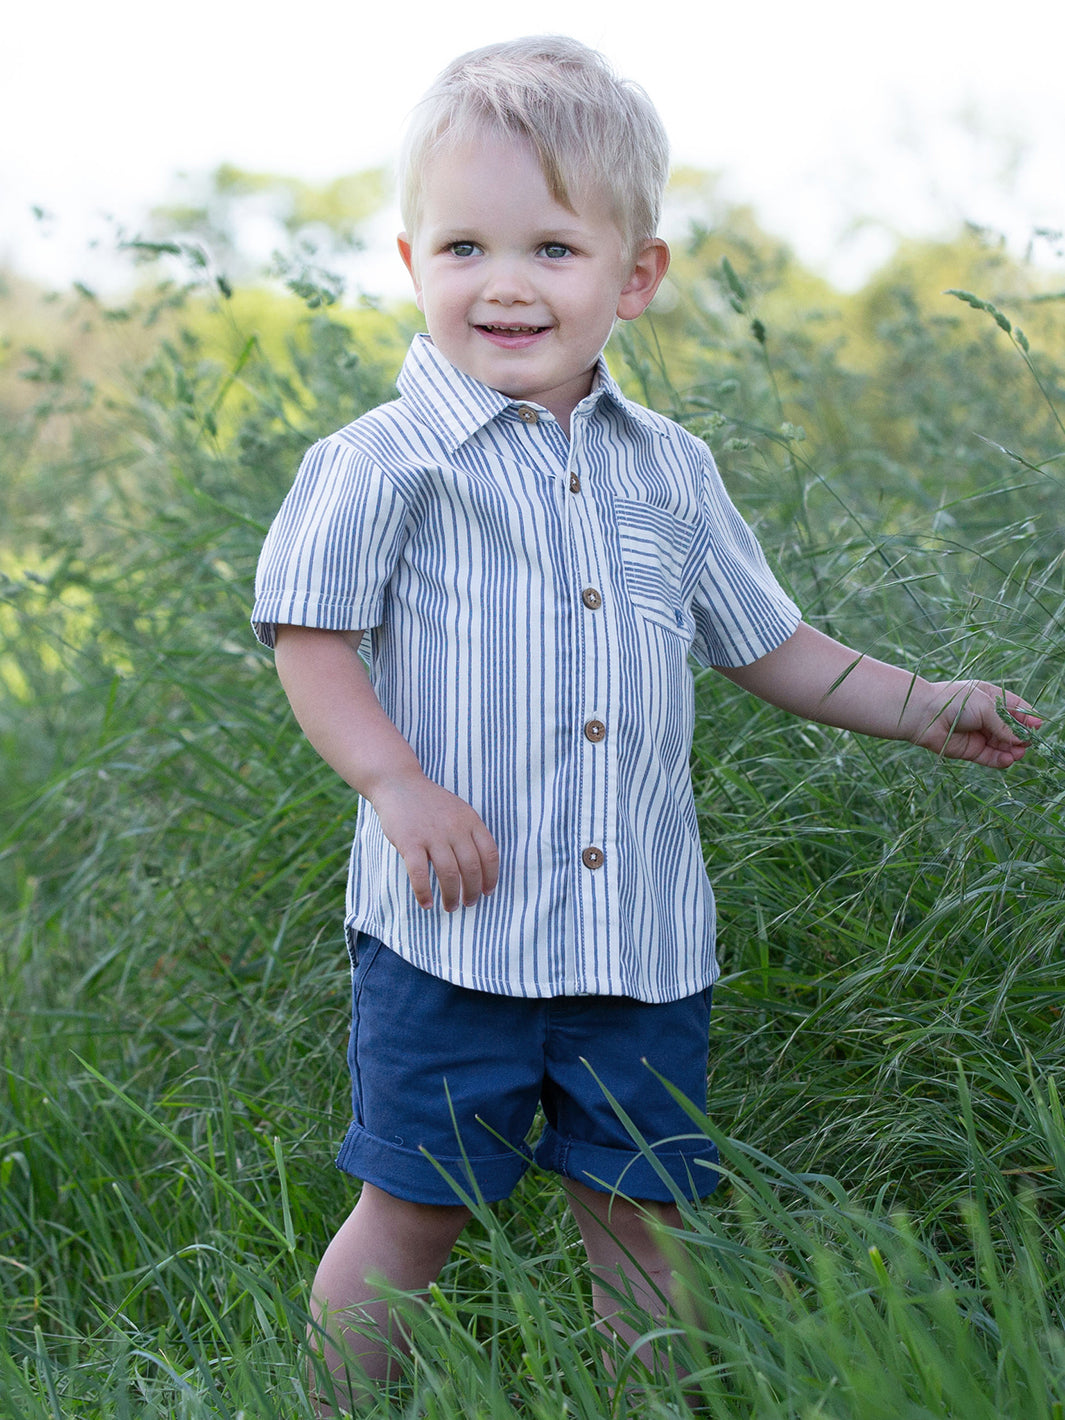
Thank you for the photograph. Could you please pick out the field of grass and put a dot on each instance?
(887, 1044)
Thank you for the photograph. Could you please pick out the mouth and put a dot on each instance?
(512, 334)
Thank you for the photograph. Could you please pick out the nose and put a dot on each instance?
(507, 283)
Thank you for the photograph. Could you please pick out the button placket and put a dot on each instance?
(593, 857)
(595, 634)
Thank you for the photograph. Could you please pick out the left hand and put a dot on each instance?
(960, 720)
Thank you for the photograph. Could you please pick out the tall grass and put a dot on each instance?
(887, 1040)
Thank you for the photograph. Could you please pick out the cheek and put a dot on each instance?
(438, 299)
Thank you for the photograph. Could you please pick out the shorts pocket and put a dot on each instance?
(655, 551)
(363, 951)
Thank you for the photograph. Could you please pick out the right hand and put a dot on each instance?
(432, 828)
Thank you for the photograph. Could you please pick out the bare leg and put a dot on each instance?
(383, 1239)
(625, 1259)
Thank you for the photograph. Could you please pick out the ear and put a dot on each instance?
(651, 264)
(407, 253)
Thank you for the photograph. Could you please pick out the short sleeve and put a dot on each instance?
(740, 610)
(332, 548)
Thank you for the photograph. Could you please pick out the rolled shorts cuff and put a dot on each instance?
(689, 1164)
(420, 1177)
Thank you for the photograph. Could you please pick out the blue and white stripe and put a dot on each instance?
(461, 530)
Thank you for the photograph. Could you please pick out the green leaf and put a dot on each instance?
(732, 281)
(980, 305)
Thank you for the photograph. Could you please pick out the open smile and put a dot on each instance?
(513, 334)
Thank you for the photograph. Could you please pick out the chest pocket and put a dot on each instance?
(655, 551)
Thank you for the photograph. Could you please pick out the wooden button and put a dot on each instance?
(527, 415)
(595, 730)
(574, 483)
(592, 858)
(591, 598)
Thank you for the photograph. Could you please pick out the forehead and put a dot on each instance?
(499, 177)
(461, 160)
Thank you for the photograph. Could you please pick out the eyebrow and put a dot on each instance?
(474, 232)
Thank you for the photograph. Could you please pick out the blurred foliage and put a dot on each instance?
(895, 427)
(231, 212)
(172, 979)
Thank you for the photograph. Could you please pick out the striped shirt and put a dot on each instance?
(532, 602)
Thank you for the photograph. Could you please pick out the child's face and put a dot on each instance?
(518, 291)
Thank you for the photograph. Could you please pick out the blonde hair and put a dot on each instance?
(590, 130)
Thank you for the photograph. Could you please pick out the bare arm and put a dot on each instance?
(331, 696)
(813, 676)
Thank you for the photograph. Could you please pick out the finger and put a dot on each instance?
(489, 856)
(1015, 707)
(473, 869)
(999, 755)
(1024, 715)
(448, 876)
(417, 864)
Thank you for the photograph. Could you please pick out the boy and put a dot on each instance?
(533, 559)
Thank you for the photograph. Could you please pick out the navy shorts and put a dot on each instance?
(446, 1081)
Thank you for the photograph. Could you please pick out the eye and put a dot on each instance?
(462, 248)
(555, 250)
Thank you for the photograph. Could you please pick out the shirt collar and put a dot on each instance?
(456, 406)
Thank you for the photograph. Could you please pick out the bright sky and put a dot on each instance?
(907, 117)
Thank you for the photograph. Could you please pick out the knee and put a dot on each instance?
(635, 1225)
(624, 1218)
(433, 1223)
